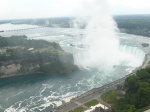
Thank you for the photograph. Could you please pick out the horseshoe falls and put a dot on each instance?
(52, 90)
(102, 53)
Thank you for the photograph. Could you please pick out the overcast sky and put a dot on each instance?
(15, 9)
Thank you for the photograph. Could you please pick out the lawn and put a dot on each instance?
(78, 109)
(110, 96)
(91, 103)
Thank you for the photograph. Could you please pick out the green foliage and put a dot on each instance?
(138, 92)
(35, 55)
(144, 109)
(121, 106)
(132, 83)
(17, 47)
(143, 74)
(91, 103)
(78, 109)
(134, 24)
(23, 41)
(110, 96)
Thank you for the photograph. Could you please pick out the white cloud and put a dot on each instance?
(130, 6)
(53, 8)
(138, 4)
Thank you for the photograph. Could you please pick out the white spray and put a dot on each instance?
(100, 36)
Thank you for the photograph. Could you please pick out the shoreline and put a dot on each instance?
(35, 73)
(97, 91)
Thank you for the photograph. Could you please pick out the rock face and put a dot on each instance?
(53, 64)
(9, 70)
(145, 44)
(19, 56)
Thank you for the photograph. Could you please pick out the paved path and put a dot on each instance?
(95, 93)
(90, 95)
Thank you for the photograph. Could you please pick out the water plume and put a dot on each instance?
(100, 36)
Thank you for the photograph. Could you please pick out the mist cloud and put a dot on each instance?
(104, 50)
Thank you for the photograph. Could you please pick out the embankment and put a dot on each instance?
(52, 64)
(95, 92)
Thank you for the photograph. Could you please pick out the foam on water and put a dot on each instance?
(54, 90)
(41, 100)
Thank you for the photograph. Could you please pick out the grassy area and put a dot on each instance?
(91, 103)
(51, 50)
(78, 109)
(110, 96)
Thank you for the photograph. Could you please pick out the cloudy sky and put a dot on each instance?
(15, 9)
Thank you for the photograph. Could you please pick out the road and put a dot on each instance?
(90, 95)
(95, 92)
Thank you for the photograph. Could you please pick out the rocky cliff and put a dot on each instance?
(19, 56)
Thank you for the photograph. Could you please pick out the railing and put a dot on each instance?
(107, 86)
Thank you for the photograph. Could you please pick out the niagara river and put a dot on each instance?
(42, 92)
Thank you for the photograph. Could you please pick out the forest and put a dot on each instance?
(132, 24)
(131, 96)
(33, 56)
(137, 94)
(19, 47)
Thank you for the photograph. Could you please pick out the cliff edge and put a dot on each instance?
(20, 56)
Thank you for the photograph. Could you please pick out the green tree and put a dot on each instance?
(131, 83)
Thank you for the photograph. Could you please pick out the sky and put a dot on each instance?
(18, 9)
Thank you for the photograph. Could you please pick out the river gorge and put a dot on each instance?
(42, 92)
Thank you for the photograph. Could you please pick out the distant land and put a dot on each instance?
(20, 56)
(134, 24)
(131, 24)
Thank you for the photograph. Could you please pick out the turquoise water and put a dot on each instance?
(41, 92)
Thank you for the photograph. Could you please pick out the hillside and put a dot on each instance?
(134, 24)
(19, 56)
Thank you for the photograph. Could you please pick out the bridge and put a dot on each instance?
(33, 28)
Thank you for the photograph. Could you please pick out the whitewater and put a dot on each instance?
(41, 92)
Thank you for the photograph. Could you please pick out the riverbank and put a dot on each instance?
(20, 56)
(21, 68)
(96, 92)
(90, 95)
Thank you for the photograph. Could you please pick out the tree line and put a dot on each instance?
(137, 92)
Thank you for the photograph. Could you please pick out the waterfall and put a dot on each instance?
(127, 56)
(135, 51)
(78, 60)
(131, 56)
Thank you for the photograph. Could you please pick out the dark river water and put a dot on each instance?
(41, 92)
